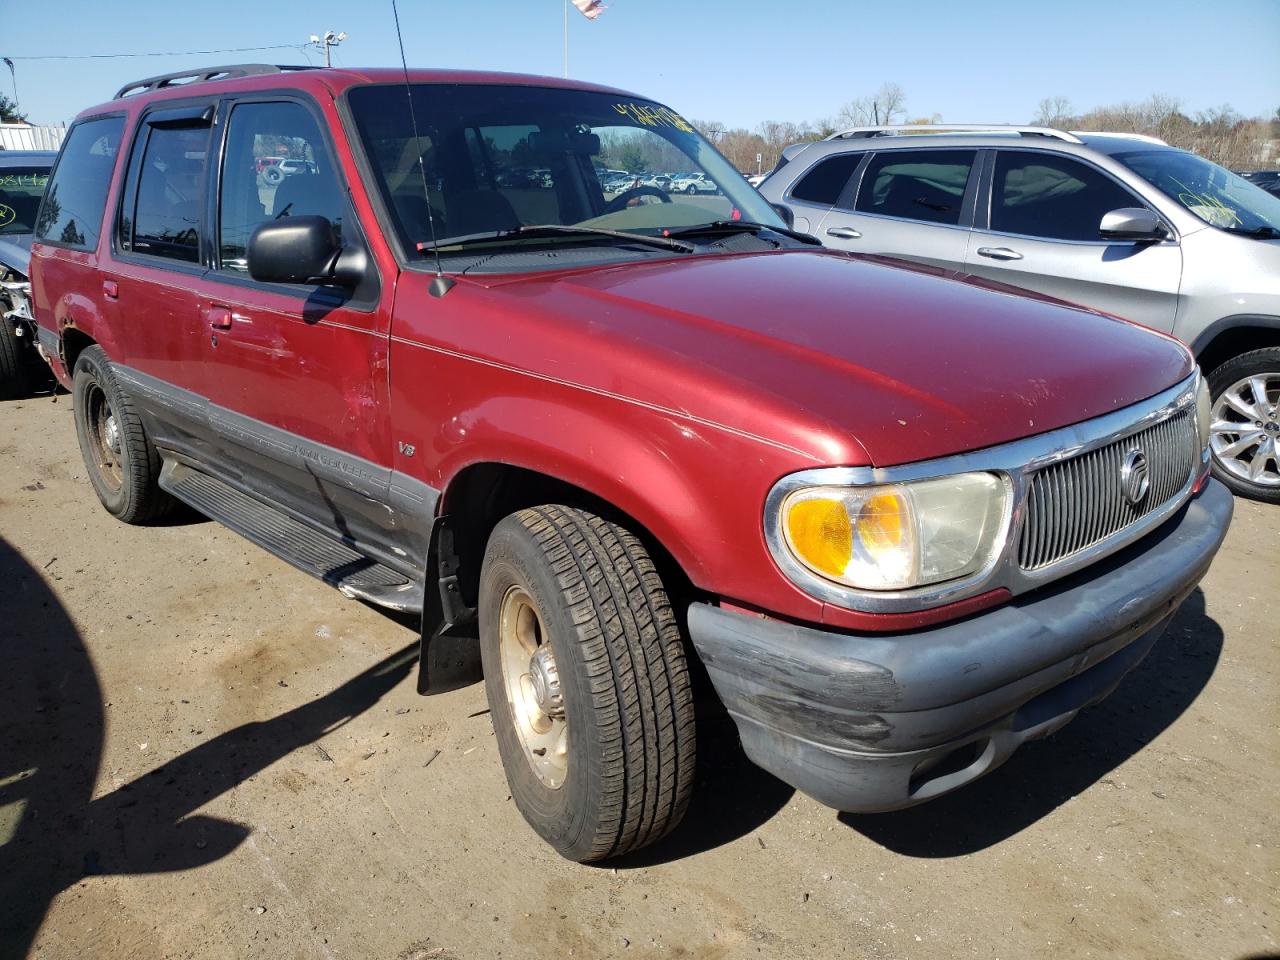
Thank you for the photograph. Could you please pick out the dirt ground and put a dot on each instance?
(206, 754)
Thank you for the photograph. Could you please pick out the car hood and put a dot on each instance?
(15, 252)
(846, 358)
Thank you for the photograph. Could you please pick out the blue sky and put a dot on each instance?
(739, 63)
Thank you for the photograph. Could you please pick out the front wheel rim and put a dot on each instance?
(1244, 432)
(532, 686)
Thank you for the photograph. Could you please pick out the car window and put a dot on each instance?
(1042, 195)
(166, 214)
(76, 198)
(20, 191)
(923, 185)
(823, 183)
(274, 165)
(1215, 195)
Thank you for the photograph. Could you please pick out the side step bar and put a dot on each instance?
(306, 548)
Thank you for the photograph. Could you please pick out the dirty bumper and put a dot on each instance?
(876, 722)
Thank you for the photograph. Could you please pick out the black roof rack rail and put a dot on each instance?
(203, 74)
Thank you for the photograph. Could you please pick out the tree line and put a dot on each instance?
(1220, 134)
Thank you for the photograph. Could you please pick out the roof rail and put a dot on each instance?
(1143, 137)
(201, 75)
(890, 130)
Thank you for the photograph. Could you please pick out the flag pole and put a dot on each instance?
(566, 39)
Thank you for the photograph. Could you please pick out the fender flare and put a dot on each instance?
(1213, 330)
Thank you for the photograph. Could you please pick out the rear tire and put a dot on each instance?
(121, 460)
(617, 772)
(1246, 435)
(15, 360)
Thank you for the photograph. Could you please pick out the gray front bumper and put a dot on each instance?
(871, 722)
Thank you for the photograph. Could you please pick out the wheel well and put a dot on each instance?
(73, 344)
(482, 494)
(1233, 342)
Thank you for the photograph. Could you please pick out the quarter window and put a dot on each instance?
(166, 215)
(923, 185)
(76, 198)
(828, 177)
(1042, 195)
(275, 166)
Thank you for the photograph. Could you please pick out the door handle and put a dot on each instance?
(843, 233)
(111, 289)
(999, 253)
(219, 318)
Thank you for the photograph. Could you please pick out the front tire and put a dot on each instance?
(1245, 431)
(15, 360)
(587, 682)
(121, 460)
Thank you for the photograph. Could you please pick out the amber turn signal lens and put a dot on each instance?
(821, 534)
(881, 522)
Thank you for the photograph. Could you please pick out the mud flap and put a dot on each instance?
(449, 655)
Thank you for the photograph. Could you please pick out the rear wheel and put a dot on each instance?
(15, 360)
(587, 682)
(1245, 431)
(122, 462)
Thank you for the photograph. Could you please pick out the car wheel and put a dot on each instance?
(15, 361)
(1245, 431)
(121, 460)
(587, 682)
(691, 189)
(273, 176)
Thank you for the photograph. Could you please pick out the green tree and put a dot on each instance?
(9, 111)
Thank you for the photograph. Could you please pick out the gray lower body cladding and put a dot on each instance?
(870, 722)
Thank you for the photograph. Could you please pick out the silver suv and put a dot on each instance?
(1121, 223)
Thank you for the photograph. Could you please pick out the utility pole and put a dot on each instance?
(330, 39)
(566, 39)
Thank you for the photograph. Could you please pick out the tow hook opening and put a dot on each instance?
(936, 768)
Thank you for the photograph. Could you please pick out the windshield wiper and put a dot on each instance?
(554, 229)
(1261, 233)
(740, 226)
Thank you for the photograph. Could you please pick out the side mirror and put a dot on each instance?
(1132, 223)
(785, 213)
(302, 250)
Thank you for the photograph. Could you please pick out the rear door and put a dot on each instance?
(910, 204)
(819, 188)
(1037, 228)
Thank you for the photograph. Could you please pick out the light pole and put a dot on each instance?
(330, 39)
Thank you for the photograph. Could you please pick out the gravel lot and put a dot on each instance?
(205, 753)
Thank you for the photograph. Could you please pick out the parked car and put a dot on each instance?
(693, 183)
(906, 522)
(660, 180)
(1268, 180)
(756, 179)
(23, 174)
(1122, 223)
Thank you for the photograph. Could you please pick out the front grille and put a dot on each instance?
(1076, 503)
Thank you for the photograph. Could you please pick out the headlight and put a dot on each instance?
(1204, 417)
(895, 536)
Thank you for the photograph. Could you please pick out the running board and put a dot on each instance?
(298, 544)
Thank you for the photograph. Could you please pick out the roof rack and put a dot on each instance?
(1143, 137)
(201, 75)
(891, 130)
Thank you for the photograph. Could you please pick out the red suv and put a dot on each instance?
(906, 520)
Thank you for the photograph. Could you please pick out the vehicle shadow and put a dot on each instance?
(52, 723)
(1043, 775)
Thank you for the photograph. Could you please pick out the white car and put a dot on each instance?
(693, 183)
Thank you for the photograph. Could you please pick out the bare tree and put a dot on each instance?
(887, 106)
(1054, 112)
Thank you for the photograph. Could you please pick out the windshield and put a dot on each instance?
(1215, 195)
(501, 157)
(20, 191)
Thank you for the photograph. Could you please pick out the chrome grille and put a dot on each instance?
(1073, 504)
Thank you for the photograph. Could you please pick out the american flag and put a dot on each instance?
(589, 8)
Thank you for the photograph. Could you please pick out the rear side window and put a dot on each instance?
(170, 194)
(76, 197)
(828, 177)
(274, 166)
(925, 185)
(1041, 195)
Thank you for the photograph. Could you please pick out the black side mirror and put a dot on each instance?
(785, 213)
(302, 250)
(1132, 223)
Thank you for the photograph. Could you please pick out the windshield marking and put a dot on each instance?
(654, 117)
